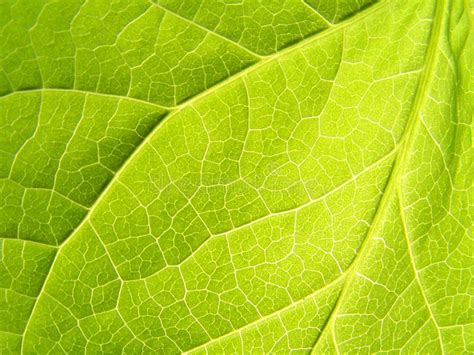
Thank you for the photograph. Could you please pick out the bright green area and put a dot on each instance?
(236, 177)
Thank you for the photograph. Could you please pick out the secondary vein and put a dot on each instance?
(410, 128)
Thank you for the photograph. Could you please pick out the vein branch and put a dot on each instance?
(407, 139)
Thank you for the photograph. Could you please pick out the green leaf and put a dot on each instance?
(236, 176)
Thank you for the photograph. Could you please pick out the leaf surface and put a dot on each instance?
(249, 177)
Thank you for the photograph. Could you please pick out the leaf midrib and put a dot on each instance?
(393, 183)
(174, 110)
(227, 81)
(210, 91)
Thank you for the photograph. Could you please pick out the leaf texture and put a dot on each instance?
(236, 177)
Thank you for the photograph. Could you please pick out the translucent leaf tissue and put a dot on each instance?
(236, 177)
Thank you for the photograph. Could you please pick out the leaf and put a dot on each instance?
(236, 177)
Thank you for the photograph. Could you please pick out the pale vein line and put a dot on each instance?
(71, 24)
(17, 292)
(275, 57)
(71, 139)
(30, 138)
(40, 293)
(122, 282)
(292, 210)
(295, 47)
(276, 313)
(34, 242)
(415, 333)
(455, 325)
(50, 190)
(206, 30)
(413, 265)
(410, 128)
(326, 21)
(148, 138)
(85, 92)
(357, 260)
(11, 333)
